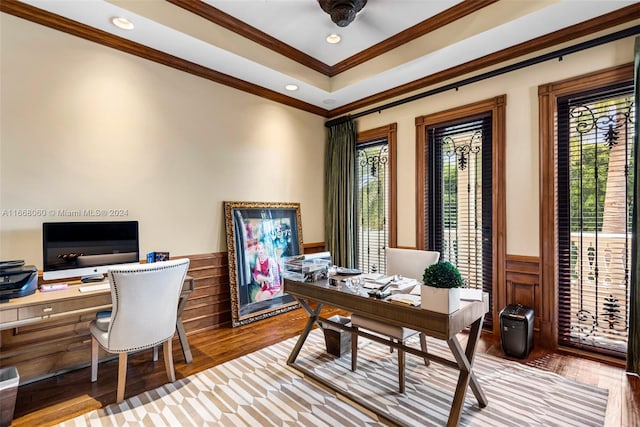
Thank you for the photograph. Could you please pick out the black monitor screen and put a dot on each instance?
(84, 245)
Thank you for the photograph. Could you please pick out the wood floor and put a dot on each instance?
(65, 396)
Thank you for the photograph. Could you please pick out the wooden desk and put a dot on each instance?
(42, 306)
(441, 326)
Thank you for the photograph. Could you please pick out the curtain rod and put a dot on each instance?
(522, 64)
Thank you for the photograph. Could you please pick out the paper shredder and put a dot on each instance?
(516, 326)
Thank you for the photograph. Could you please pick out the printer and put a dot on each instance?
(17, 280)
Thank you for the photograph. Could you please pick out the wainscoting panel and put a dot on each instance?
(209, 306)
(312, 248)
(523, 285)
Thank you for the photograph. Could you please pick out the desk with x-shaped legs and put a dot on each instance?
(437, 325)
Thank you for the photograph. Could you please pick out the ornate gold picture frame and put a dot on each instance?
(259, 236)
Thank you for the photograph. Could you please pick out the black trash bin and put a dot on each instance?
(516, 326)
(337, 340)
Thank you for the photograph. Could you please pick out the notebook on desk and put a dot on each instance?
(408, 299)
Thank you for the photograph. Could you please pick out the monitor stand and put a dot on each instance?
(92, 279)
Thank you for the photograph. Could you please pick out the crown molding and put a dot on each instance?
(601, 23)
(57, 22)
(219, 17)
(434, 23)
(227, 21)
(42, 17)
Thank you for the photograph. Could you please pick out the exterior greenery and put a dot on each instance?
(372, 187)
(590, 161)
(450, 194)
(442, 275)
(588, 187)
(371, 206)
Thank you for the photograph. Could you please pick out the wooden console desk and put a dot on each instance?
(437, 325)
(43, 306)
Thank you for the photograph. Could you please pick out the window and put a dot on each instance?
(460, 193)
(576, 255)
(594, 197)
(375, 175)
(459, 200)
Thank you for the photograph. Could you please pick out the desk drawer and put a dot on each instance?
(10, 315)
(58, 307)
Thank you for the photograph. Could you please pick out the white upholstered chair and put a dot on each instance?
(144, 310)
(409, 263)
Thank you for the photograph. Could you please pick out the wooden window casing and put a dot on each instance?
(548, 96)
(497, 108)
(386, 135)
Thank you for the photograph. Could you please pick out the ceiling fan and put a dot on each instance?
(342, 12)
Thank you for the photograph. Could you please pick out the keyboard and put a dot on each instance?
(97, 287)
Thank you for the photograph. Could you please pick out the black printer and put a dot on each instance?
(17, 280)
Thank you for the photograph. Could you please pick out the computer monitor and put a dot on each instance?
(87, 249)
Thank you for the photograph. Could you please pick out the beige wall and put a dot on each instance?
(83, 126)
(521, 89)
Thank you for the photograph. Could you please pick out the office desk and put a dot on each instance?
(437, 325)
(42, 306)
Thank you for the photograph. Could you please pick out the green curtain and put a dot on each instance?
(340, 193)
(633, 347)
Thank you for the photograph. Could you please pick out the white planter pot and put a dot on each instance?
(440, 300)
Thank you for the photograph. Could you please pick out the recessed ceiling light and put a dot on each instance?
(291, 87)
(123, 23)
(333, 38)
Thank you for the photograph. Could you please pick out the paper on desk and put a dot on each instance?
(375, 284)
(409, 299)
(403, 284)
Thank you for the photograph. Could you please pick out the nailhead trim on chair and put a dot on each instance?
(158, 267)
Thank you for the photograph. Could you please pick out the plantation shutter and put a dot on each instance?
(459, 195)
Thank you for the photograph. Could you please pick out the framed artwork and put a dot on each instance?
(259, 236)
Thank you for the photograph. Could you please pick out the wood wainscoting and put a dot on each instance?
(523, 287)
(52, 347)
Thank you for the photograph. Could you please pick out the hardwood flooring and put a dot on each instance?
(48, 402)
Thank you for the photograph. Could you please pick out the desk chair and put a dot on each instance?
(143, 315)
(408, 263)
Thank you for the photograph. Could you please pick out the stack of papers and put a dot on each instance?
(378, 282)
(399, 285)
(404, 284)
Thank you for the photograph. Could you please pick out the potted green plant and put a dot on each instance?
(441, 289)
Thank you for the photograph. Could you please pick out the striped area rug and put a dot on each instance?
(260, 390)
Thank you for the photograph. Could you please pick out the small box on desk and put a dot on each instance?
(307, 268)
(157, 256)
